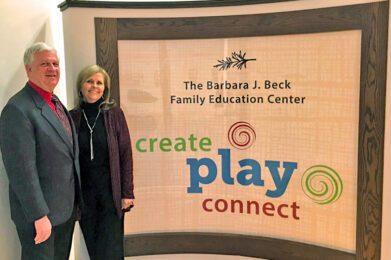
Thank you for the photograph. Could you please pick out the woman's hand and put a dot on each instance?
(127, 203)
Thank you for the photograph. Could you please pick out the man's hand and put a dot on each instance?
(126, 203)
(43, 229)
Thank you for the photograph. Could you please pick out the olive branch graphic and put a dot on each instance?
(237, 60)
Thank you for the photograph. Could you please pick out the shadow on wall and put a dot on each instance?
(9, 237)
(15, 83)
(18, 79)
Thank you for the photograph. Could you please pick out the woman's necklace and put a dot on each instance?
(91, 131)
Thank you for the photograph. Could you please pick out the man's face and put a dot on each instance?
(44, 70)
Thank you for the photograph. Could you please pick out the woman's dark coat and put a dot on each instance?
(120, 153)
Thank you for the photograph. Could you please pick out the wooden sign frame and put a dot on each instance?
(372, 20)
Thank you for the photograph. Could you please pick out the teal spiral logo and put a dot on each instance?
(322, 184)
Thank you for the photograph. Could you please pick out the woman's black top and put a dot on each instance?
(95, 174)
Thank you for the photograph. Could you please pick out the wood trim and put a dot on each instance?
(372, 20)
(107, 51)
(295, 22)
(220, 243)
(161, 5)
(371, 131)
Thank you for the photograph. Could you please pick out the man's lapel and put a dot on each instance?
(49, 115)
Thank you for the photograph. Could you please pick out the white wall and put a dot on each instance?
(22, 23)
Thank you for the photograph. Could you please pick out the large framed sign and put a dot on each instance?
(256, 135)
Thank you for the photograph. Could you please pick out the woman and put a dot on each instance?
(105, 165)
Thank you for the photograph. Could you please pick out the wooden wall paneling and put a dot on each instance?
(371, 131)
(107, 51)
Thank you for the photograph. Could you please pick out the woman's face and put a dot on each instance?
(93, 88)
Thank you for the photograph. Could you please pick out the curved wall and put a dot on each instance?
(79, 35)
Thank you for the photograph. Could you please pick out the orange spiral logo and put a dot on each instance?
(241, 135)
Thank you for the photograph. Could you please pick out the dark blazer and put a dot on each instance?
(120, 153)
(40, 160)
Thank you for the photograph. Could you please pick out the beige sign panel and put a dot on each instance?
(252, 135)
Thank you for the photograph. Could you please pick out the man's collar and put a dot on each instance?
(47, 96)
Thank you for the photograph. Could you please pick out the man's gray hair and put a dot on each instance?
(36, 47)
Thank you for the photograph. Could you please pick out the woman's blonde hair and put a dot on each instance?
(85, 74)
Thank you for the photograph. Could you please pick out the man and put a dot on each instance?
(40, 153)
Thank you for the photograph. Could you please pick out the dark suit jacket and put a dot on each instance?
(120, 153)
(40, 160)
